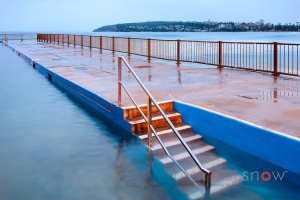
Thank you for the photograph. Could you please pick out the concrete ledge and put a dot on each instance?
(277, 148)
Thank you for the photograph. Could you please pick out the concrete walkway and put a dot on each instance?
(251, 96)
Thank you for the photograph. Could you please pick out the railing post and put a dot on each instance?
(119, 81)
(113, 44)
(149, 49)
(100, 43)
(178, 51)
(74, 40)
(58, 36)
(90, 43)
(68, 40)
(54, 38)
(81, 41)
(220, 54)
(22, 37)
(207, 181)
(275, 59)
(149, 117)
(128, 46)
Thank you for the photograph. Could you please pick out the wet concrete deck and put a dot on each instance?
(251, 96)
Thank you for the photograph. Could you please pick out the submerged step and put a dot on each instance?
(226, 183)
(185, 155)
(177, 142)
(194, 170)
(168, 131)
(205, 153)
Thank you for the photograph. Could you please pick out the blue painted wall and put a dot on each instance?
(279, 149)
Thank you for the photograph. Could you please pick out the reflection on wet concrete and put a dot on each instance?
(179, 73)
(251, 96)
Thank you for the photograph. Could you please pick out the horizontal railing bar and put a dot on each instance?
(290, 44)
(174, 40)
(228, 42)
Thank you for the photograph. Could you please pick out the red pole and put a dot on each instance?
(220, 54)
(129, 46)
(100, 43)
(275, 59)
(149, 49)
(178, 51)
(113, 44)
(90, 42)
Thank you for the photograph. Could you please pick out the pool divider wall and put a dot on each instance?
(277, 148)
(97, 103)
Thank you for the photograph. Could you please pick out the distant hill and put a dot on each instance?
(208, 26)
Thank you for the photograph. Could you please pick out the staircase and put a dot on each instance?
(222, 176)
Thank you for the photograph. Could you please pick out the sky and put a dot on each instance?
(86, 15)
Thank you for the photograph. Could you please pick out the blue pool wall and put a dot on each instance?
(277, 148)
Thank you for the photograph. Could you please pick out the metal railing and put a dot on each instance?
(17, 36)
(276, 58)
(148, 120)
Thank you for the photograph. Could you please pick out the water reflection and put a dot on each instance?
(179, 73)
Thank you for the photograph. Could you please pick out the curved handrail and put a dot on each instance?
(122, 59)
(158, 138)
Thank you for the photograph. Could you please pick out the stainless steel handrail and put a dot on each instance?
(149, 119)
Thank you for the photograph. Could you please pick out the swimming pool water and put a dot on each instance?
(52, 147)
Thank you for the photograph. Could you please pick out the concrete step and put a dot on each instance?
(194, 142)
(222, 177)
(131, 112)
(194, 171)
(139, 125)
(226, 184)
(186, 155)
(204, 153)
(175, 142)
(163, 132)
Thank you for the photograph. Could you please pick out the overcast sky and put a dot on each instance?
(86, 15)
